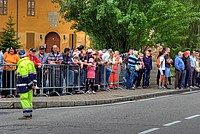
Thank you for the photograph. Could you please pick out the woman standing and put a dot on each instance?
(161, 68)
(10, 58)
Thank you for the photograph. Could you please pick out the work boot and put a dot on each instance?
(25, 118)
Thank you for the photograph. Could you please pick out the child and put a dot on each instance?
(90, 76)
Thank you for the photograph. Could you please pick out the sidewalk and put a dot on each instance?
(103, 97)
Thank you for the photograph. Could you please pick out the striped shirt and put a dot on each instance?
(55, 57)
(132, 60)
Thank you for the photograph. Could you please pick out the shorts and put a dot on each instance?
(167, 72)
(162, 72)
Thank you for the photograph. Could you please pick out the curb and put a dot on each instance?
(50, 104)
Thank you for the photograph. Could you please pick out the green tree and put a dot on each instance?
(116, 24)
(8, 38)
(122, 24)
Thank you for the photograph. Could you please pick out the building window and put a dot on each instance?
(31, 7)
(30, 40)
(3, 7)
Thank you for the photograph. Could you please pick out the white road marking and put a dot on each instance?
(170, 124)
(149, 131)
(191, 117)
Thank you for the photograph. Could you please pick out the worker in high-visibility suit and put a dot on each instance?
(26, 82)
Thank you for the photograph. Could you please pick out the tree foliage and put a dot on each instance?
(122, 24)
(8, 38)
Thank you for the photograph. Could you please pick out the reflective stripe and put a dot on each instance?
(21, 85)
(35, 81)
(30, 83)
(23, 76)
(32, 73)
(27, 112)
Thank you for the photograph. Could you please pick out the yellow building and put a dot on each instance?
(39, 23)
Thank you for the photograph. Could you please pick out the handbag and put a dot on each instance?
(138, 67)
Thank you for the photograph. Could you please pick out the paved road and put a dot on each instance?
(165, 115)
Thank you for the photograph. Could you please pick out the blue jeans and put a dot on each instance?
(108, 72)
(69, 77)
(82, 76)
(146, 77)
(131, 75)
(183, 78)
(187, 78)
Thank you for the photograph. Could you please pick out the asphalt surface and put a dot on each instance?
(175, 114)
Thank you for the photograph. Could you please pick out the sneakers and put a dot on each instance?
(90, 92)
(161, 87)
(191, 87)
(93, 92)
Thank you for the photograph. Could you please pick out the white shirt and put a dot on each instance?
(162, 63)
(105, 56)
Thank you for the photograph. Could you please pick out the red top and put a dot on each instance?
(34, 59)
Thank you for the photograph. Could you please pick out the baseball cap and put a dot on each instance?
(67, 50)
(41, 47)
(22, 53)
(32, 50)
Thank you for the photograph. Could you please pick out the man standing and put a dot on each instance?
(131, 73)
(68, 62)
(147, 59)
(55, 58)
(26, 82)
(42, 56)
(168, 62)
(186, 74)
(179, 66)
(192, 77)
(37, 63)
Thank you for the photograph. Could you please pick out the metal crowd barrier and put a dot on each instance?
(8, 80)
(60, 79)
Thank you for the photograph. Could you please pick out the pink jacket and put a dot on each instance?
(91, 71)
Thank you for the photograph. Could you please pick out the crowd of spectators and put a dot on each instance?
(91, 69)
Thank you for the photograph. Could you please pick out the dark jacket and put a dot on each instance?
(186, 61)
(147, 62)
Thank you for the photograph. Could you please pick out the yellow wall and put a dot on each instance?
(39, 23)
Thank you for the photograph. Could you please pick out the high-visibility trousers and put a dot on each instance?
(26, 102)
